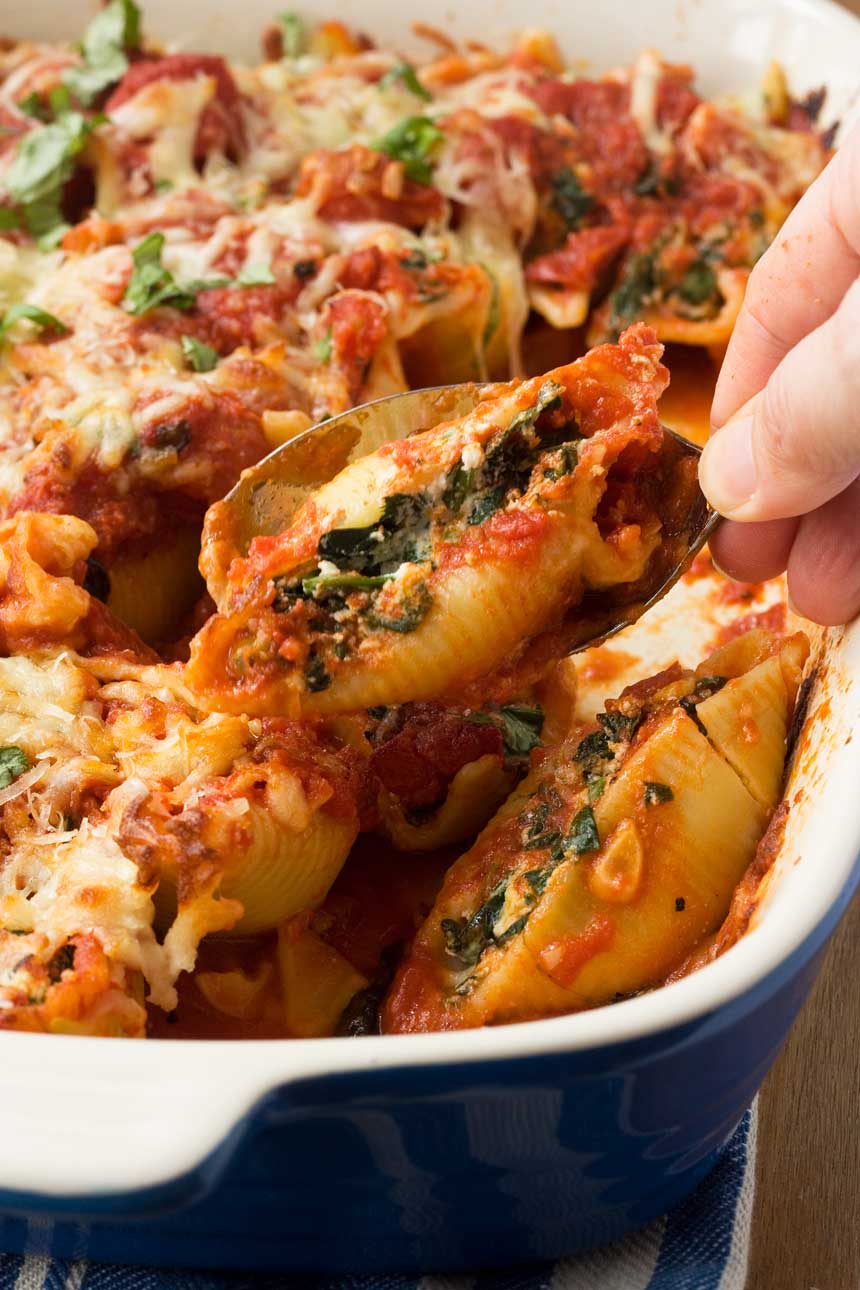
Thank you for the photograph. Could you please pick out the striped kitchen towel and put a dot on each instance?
(702, 1245)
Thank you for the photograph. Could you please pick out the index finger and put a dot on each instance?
(798, 283)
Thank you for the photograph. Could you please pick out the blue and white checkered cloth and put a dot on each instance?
(702, 1245)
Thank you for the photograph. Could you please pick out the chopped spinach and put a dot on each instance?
(569, 199)
(467, 938)
(401, 534)
(487, 504)
(316, 676)
(583, 835)
(412, 609)
(594, 747)
(699, 283)
(632, 293)
(708, 685)
(62, 961)
(304, 269)
(323, 347)
(656, 793)
(596, 785)
(619, 728)
(689, 707)
(343, 582)
(13, 762)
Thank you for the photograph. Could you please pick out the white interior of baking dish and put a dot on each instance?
(80, 1116)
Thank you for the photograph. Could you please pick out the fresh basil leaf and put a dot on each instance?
(323, 347)
(43, 164)
(256, 275)
(114, 31)
(294, 34)
(412, 141)
(521, 728)
(9, 219)
(13, 762)
(151, 284)
(406, 73)
(33, 106)
(43, 320)
(201, 357)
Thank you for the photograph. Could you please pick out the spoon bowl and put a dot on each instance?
(267, 496)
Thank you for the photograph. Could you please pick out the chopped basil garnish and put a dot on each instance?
(406, 73)
(569, 198)
(151, 284)
(656, 793)
(201, 357)
(43, 164)
(13, 762)
(104, 47)
(412, 141)
(32, 313)
(256, 275)
(294, 34)
(323, 347)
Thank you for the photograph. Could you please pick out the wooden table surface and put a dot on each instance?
(806, 1221)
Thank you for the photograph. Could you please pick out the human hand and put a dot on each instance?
(784, 463)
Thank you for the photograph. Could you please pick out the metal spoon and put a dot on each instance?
(267, 496)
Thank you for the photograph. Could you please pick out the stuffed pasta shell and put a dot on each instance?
(132, 824)
(426, 566)
(612, 861)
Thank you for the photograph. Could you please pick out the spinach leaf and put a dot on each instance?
(412, 141)
(344, 582)
(401, 534)
(632, 293)
(13, 762)
(569, 199)
(316, 677)
(594, 747)
(699, 283)
(412, 609)
(114, 31)
(656, 793)
(708, 685)
(323, 347)
(583, 835)
(619, 728)
(406, 73)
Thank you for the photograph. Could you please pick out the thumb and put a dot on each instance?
(796, 444)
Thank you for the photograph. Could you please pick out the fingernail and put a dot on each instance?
(727, 471)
